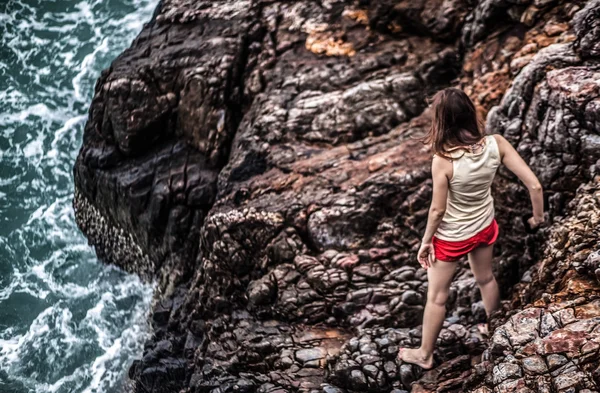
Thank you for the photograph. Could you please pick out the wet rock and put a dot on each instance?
(260, 161)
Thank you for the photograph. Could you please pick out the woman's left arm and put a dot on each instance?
(441, 172)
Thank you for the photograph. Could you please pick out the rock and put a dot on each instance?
(307, 355)
(412, 297)
(588, 31)
(546, 339)
(535, 365)
(260, 161)
(504, 371)
(439, 19)
(357, 380)
(555, 360)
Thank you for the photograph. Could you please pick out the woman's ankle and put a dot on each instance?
(425, 354)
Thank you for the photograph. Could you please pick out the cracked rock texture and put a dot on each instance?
(260, 160)
(552, 343)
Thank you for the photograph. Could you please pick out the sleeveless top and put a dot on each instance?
(470, 206)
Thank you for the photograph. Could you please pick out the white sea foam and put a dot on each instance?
(74, 325)
(85, 68)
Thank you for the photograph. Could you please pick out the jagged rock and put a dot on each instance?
(553, 343)
(260, 160)
(587, 26)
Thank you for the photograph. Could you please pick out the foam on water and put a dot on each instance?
(67, 322)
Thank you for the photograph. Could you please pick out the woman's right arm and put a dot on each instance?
(513, 161)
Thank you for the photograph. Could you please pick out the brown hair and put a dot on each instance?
(455, 122)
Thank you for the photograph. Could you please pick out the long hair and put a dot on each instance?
(455, 122)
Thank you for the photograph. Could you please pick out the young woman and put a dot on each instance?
(461, 217)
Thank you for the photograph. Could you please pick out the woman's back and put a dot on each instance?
(470, 206)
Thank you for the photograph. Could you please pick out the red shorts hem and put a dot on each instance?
(452, 251)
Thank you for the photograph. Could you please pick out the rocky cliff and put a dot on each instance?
(260, 161)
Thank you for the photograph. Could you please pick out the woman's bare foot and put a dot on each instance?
(416, 356)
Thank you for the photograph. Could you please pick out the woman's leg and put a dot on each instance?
(480, 260)
(439, 276)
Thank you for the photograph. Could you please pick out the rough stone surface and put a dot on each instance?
(260, 160)
(553, 344)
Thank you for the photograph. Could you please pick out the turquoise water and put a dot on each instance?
(67, 322)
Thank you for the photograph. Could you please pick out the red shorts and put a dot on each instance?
(449, 251)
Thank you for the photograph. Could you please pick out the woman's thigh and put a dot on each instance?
(480, 260)
(439, 277)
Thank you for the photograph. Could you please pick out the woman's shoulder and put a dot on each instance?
(446, 157)
(442, 164)
(499, 142)
(498, 138)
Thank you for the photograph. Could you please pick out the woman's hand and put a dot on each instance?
(426, 255)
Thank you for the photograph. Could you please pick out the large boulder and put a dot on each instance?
(261, 161)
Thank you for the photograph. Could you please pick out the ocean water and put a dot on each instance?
(68, 323)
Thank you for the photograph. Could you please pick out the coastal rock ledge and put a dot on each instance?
(259, 161)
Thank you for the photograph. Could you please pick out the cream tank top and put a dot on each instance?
(470, 206)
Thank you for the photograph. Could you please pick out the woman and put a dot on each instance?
(461, 217)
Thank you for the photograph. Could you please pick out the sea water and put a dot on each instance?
(68, 323)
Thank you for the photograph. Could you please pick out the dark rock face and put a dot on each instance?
(260, 160)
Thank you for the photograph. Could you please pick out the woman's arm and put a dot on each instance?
(441, 172)
(513, 161)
